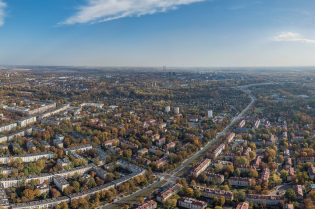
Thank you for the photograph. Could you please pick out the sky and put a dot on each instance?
(175, 33)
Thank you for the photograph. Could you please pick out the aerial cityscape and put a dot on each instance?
(157, 104)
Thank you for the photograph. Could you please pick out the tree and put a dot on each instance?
(290, 194)
(215, 201)
(170, 203)
(242, 196)
(280, 204)
(284, 174)
(141, 200)
(312, 195)
(221, 201)
(236, 195)
(218, 167)
(190, 192)
(197, 193)
(193, 183)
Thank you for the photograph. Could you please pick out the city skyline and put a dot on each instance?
(181, 33)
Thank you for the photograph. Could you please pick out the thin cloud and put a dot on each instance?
(106, 10)
(237, 7)
(2, 12)
(289, 36)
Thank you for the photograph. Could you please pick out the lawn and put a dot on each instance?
(259, 109)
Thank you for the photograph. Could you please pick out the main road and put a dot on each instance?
(171, 176)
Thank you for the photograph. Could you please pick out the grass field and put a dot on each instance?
(143, 194)
(259, 109)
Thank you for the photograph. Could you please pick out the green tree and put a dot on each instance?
(284, 174)
(290, 194)
(197, 193)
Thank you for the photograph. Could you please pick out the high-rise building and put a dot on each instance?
(210, 114)
(176, 110)
(167, 109)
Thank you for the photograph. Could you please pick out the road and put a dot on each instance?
(171, 176)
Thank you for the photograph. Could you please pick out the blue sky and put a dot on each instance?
(182, 33)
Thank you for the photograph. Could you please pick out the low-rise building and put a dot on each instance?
(224, 163)
(230, 138)
(265, 175)
(306, 159)
(246, 152)
(241, 124)
(201, 167)
(297, 138)
(191, 203)
(245, 167)
(143, 151)
(218, 150)
(43, 188)
(311, 172)
(288, 163)
(114, 149)
(238, 181)
(58, 143)
(290, 173)
(286, 153)
(153, 150)
(170, 145)
(288, 206)
(168, 193)
(298, 191)
(147, 205)
(45, 144)
(212, 176)
(242, 205)
(268, 199)
(163, 161)
(111, 142)
(82, 148)
(211, 193)
(228, 156)
(30, 145)
(64, 161)
(257, 161)
(60, 182)
(129, 144)
(160, 142)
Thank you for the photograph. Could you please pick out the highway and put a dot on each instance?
(171, 176)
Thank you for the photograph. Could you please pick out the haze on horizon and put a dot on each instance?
(187, 33)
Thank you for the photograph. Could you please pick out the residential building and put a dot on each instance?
(115, 149)
(82, 148)
(298, 191)
(211, 193)
(311, 172)
(201, 167)
(228, 156)
(148, 205)
(153, 150)
(230, 138)
(218, 150)
(306, 159)
(297, 138)
(43, 188)
(160, 142)
(30, 145)
(242, 205)
(170, 145)
(238, 181)
(288, 163)
(168, 193)
(45, 144)
(290, 173)
(245, 167)
(129, 144)
(64, 161)
(191, 203)
(211, 177)
(241, 124)
(60, 182)
(246, 152)
(265, 175)
(57, 143)
(143, 151)
(257, 161)
(224, 163)
(164, 160)
(288, 206)
(111, 142)
(268, 199)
